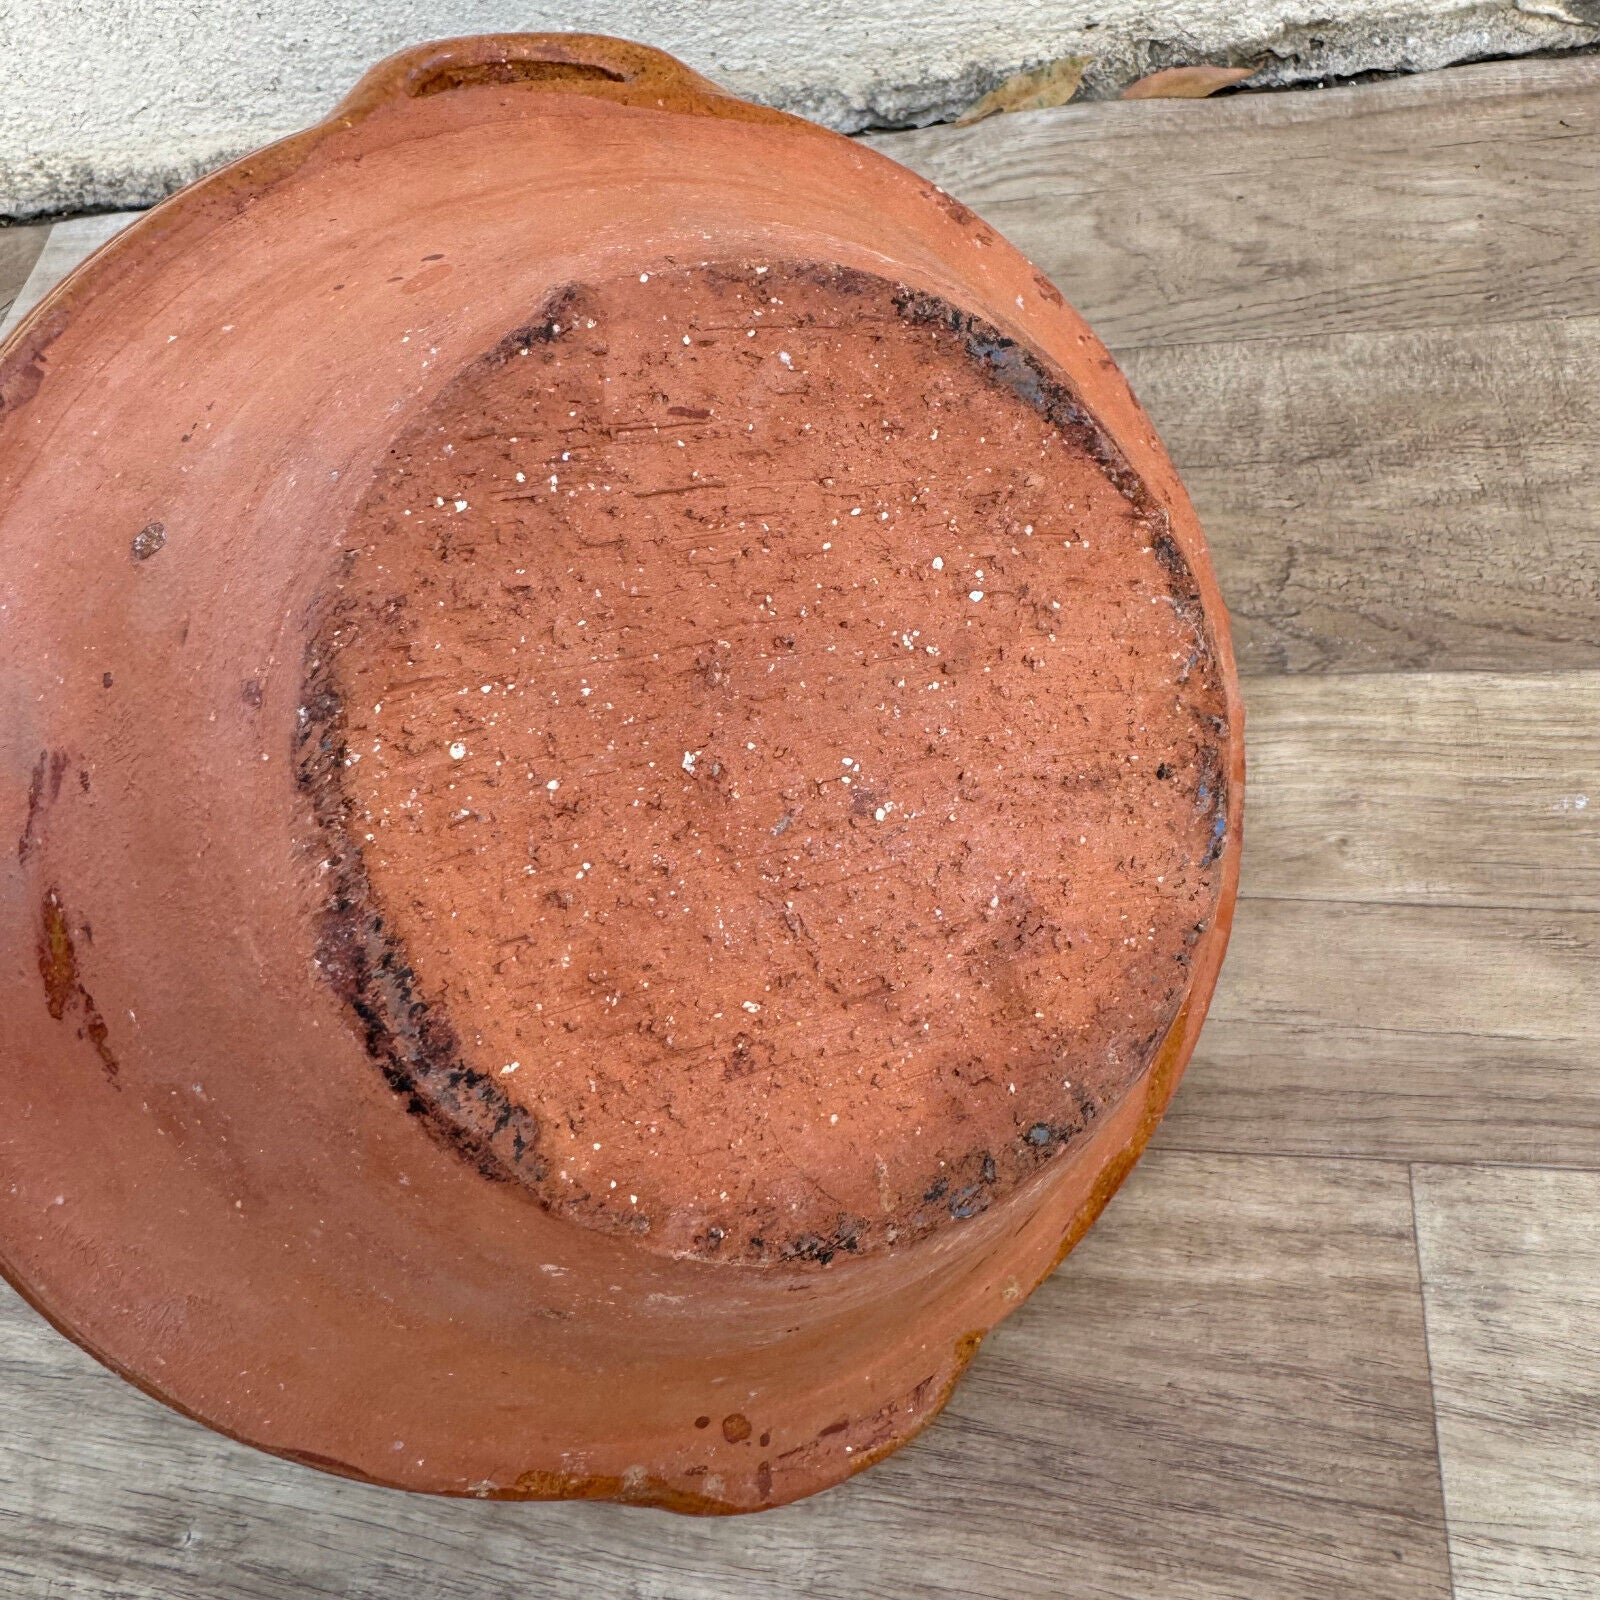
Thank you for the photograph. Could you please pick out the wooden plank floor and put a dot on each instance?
(1339, 1335)
(1512, 1282)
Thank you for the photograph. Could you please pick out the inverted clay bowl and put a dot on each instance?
(624, 774)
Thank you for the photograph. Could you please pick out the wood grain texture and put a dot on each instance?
(1511, 1264)
(19, 249)
(1447, 199)
(1222, 1396)
(1415, 788)
(1414, 970)
(62, 245)
(1380, 500)
(1364, 322)
(1421, 1032)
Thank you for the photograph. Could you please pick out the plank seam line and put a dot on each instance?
(1165, 1147)
(1342, 333)
(1433, 1390)
(1256, 897)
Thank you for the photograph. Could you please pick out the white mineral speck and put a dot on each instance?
(977, 594)
(457, 750)
(461, 505)
(938, 563)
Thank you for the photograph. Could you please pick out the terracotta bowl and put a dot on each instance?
(625, 775)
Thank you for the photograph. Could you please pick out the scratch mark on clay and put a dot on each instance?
(44, 788)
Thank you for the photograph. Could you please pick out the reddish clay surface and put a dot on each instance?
(778, 754)
(626, 778)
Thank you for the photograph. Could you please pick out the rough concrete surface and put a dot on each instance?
(117, 102)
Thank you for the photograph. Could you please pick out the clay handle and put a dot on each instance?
(583, 63)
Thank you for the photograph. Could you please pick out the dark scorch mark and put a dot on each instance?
(410, 1039)
(64, 992)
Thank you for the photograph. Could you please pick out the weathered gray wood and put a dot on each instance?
(63, 246)
(1222, 1396)
(1511, 1277)
(1379, 500)
(1469, 972)
(1425, 1032)
(1414, 971)
(19, 249)
(1449, 199)
(1367, 1090)
(1425, 789)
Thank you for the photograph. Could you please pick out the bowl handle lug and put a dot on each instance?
(570, 63)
